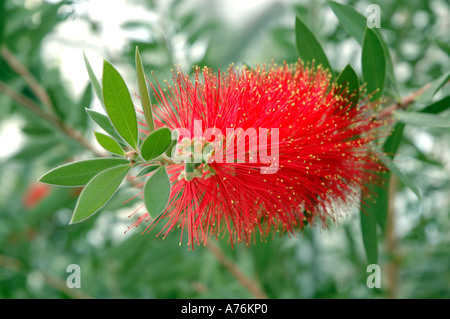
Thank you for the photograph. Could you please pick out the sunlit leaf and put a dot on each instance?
(94, 81)
(143, 92)
(156, 143)
(104, 122)
(119, 105)
(79, 173)
(109, 144)
(157, 192)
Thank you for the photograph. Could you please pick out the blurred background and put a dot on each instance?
(42, 45)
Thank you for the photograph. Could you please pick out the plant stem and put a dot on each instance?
(53, 281)
(405, 102)
(31, 106)
(248, 283)
(26, 75)
(391, 243)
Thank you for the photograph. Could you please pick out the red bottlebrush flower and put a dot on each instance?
(279, 148)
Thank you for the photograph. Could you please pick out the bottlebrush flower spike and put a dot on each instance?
(261, 150)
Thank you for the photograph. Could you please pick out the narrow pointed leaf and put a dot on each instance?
(80, 173)
(423, 119)
(401, 176)
(109, 144)
(374, 210)
(427, 96)
(381, 193)
(392, 143)
(308, 47)
(438, 106)
(350, 83)
(104, 122)
(143, 92)
(94, 81)
(98, 192)
(369, 235)
(157, 192)
(119, 105)
(147, 170)
(373, 64)
(156, 143)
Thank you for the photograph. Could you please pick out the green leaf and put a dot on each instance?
(350, 83)
(355, 23)
(98, 192)
(157, 192)
(374, 211)
(423, 119)
(94, 81)
(80, 173)
(401, 176)
(392, 143)
(109, 144)
(2, 20)
(438, 106)
(143, 93)
(373, 64)
(308, 48)
(119, 105)
(369, 234)
(104, 122)
(147, 170)
(380, 207)
(427, 96)
(34, 148)
(156, 143)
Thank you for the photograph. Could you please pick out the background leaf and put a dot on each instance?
(98, 192)
(438, 106)
(157, 192)
(119, 105)
(355, 24)
(80, 173)
(427, 96)
(2, 20)
(423, 119)
(401, 176)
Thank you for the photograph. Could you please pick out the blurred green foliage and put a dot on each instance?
(37, 244)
